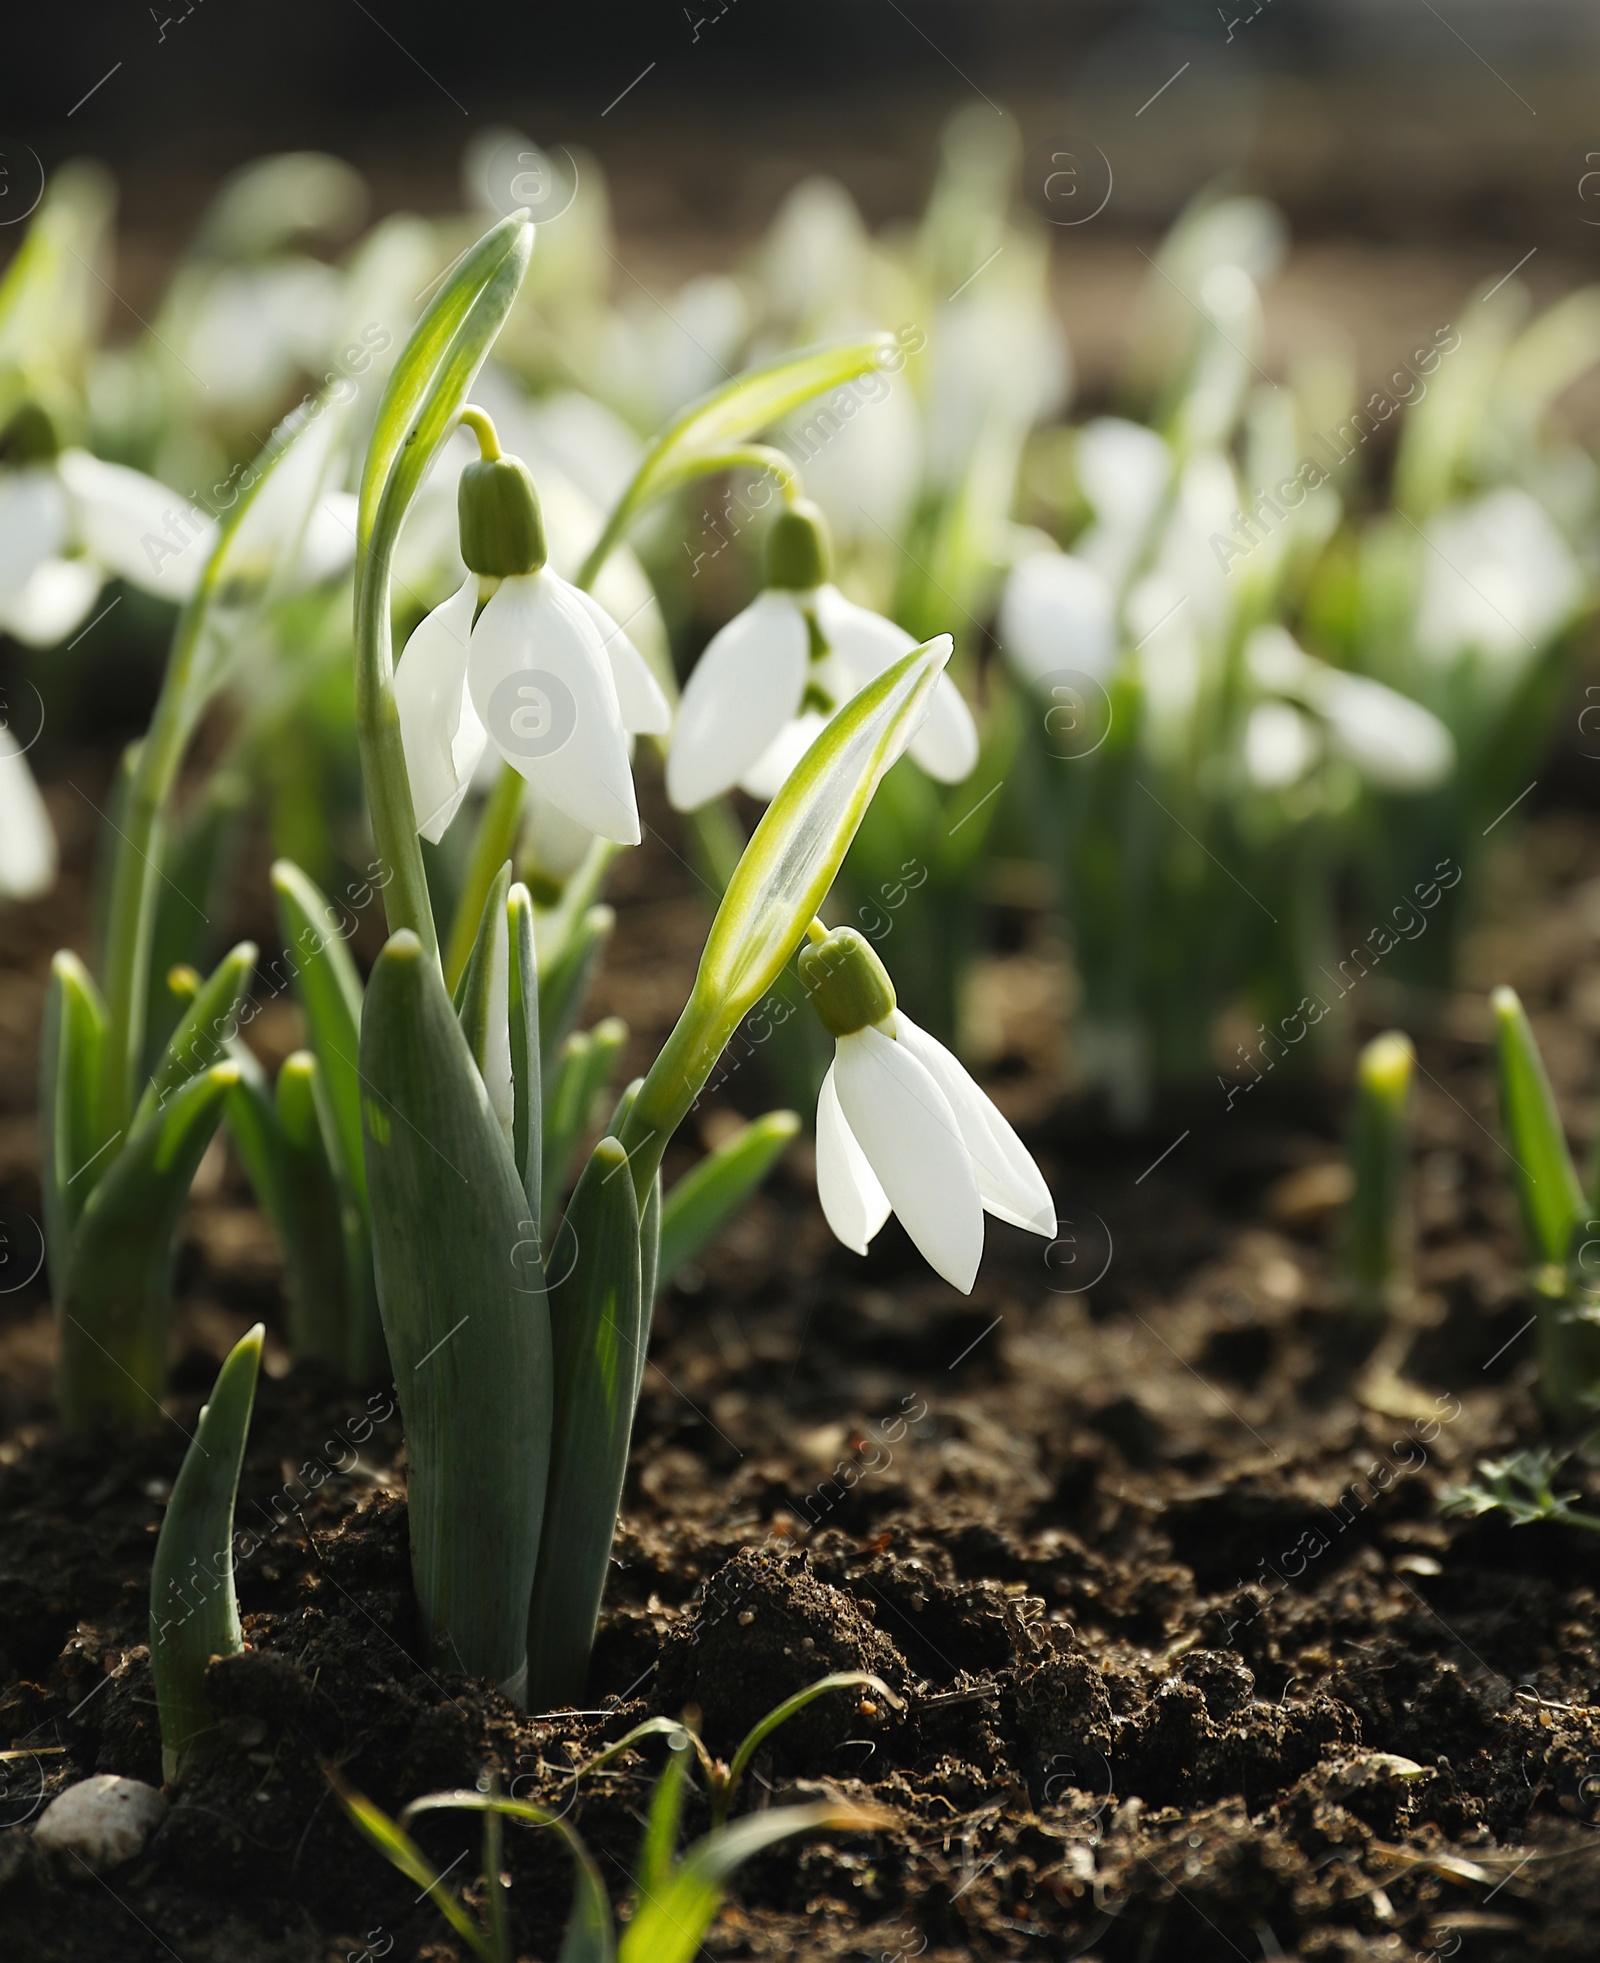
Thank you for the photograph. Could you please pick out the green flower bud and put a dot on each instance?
(31, 436)
(798, 556)
(848, 985)
(502, 527)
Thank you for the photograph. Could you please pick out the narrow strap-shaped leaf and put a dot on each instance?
(583, 1069)
(314, 1250)
(402, 1852)
(591, 1935)
(1380, 1151)
(522, 1020)
(566, 976)
(714, 1190)
(777, 887)
(481, 1003)
(650, 1277)
(670, 1926)
(468, 1326)
(1548, 1187)
(205, 1030)
(72, 1055)
(658, 1851)
(194, 1613)
(330, 993)
(780, 1714)
(698, 437)
(116, 1303)
(595, 1319)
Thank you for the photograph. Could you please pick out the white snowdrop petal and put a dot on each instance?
(745, 687)
(439, 731)
(1393, 741)
(946, 743)
(645, 710)
(863, 642)
(329, 541)
(146, 533)
(1012, 1186)
(33, 525)
(27, 838)
(1279, 745)
(542, 687)
(854, 1203)
(55, 599)
(1057, 612)
(903, 1122)
(768, 774)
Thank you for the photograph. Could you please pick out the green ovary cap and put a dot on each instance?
(798, 556)
(848, 985)
(30, 437)
(502, 527)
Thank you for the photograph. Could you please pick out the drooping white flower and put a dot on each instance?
(520, 659)
(902, 1127)
(70, 522)
(1395, 743)
(769, 680)
(27, 840)
(1057, 612)
(1498, 579)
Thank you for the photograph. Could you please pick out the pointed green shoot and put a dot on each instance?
(194, 1613)
(595, 1314)
(706, 435)
(466, 1319)
(205, 1029)
(402, 1852)
(481, 1000)
(566, 977)
(522, 1018)
(670, 1926)
(116, 1303)
(658, 1851)
(1380, 1152)
(780, 1714)
(777, 888)
(713, 1191)
(421, 402)
(1548, 1186)
(72, 1056)
(583, 1070)
(330, 994)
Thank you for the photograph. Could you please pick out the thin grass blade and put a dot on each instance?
(711, 1192)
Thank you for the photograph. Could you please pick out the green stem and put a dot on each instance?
(383, 762)
(667, 1095)
(494, 843)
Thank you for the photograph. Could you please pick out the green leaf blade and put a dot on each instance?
(711, 1192)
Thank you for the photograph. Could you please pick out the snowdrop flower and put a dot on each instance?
(1056, 613)
(69, 521)
(902, 1127)
(1500, 579)
(521, 660)
(27, 842)
(769, 681)
(1395, 743)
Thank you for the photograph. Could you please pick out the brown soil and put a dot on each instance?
(1156, 1567)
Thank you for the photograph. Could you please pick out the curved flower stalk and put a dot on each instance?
(901, 1126)
(769, 681)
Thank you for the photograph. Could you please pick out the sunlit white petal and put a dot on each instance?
(645, 711)
(771, 770)
(439, 728)
(854, 1203)
(1279, 745)
(55, 600)
(903, 1122)
(1011, 1185)
(1393, 741)
(27, 839)
(542, 686)
(1057, 612)
(744, 688)
(33, 525)
(142, 531)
